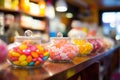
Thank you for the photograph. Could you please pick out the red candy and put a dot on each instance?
(96, 45)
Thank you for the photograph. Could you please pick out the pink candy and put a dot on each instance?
(62, 51)
(3, 51)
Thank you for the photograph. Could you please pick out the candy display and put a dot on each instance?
(96, 45)
(102, 43)
(3, 51)
(62, 50)
(84, 47)
(27, 51)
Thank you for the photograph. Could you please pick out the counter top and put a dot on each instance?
(52, 71)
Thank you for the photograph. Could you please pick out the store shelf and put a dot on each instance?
(21, 12)
(36, 1)
(85, 67)
(9, 10)
(33, 15)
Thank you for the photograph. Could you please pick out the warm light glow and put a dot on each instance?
(61, 6)
(42, 6)
(50, 12)
(61, 9)
(34, 8)
(69, 15)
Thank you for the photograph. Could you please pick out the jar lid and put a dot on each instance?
(28, 36)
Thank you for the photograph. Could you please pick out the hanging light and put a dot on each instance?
(61, 6)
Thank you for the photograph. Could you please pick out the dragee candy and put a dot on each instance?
(27, 54)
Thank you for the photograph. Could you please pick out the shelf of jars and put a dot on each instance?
(13, 11)
(2, 9)
(79, 66)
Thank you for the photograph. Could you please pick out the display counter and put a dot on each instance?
(81, 68)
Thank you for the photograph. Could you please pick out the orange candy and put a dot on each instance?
(29, 59)
(34, 54)
(70, 55)
(37, 63)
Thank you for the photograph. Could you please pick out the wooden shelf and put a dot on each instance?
(9, 10)
(35, 1)
(20, 12)
(33, 15)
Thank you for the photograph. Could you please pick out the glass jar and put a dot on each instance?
(96, 44)
(61, 49)
(3, 51)
(84, 46)
(27, 52)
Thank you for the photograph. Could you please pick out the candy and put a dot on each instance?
(27, 54)
(29, 59)
(62, 50)
(22, 58)
(16, 62)
(84, 47)
(24, 63)
(34, 54)
(22, 47)
(96, 45)
(31, 64)
(15, 54)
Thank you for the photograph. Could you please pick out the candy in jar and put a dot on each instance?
(84, 47)
(61, 49)
(27, 52)
(96, 44)
(3, 51)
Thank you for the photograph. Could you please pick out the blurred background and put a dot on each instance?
(48, 17)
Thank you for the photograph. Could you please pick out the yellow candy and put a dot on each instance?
(39, 47)
(22, 46)
(14, 54)
(16, 62)
(24, 63)
(46, 54)
(22, 58)
(83, 45)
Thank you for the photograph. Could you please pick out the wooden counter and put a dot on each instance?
(82, 68)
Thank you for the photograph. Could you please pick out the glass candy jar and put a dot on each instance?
(3, 51)
(84, 46)
(27, 51)
(96, 44)
(61, 49)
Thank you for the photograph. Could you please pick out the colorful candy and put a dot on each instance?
(96, 45)
(84, 47)
(3, 51)
(62, 50)
(27, 54)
